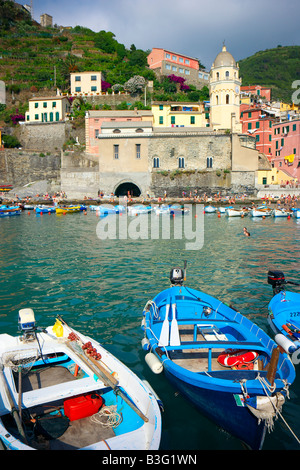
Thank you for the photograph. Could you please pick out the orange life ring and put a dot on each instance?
(233, 358)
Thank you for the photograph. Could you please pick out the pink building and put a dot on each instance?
(257, 90)
(256, 121)
(286, 147)
(97, 122)
(165, 62)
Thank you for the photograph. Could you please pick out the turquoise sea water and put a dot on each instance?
(57, 264)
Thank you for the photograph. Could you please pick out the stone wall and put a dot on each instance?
(19, 167)
(209, 182)
(48, 137)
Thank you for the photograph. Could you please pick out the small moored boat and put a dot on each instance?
(45, 209)
(162, 209)
(218, 359)
(139, 209)
(296, 213)
(210, 209)
(284, 312)
(177, 209)
(7, 211)
(103, 209)
(236, 212)
(61, 390)
(280, 213)
(261, 211)
(68, 209)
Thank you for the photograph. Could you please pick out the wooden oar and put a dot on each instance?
(79, 340)
(103, 374)
(174, 337)
(164, 334)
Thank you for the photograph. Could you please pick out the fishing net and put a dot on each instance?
(24, 359)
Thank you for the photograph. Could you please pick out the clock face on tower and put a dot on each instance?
(236, 89)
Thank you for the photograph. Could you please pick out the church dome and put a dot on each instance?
(224, 58)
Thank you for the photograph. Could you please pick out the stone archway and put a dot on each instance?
(123, 189)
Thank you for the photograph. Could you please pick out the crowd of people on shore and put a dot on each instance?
(284, 201)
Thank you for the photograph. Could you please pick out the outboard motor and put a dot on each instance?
(177, 276)
(277, 281)
(27, 323)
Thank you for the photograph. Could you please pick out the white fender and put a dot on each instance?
(285, 343)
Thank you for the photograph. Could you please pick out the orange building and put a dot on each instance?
(164, 62)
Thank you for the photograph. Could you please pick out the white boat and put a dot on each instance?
(261, 211)
(280, 213)
(61, 390)
(236, 212)
(210, 209)
(139, 209)
(163, 209)
(223, 209)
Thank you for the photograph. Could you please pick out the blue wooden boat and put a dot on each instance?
(296, 213)
(284, 312)
(7, 211)
(229, 368)
(105, 210)
(45, 209)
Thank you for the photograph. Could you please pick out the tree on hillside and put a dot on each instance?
(135, 84)
(105, 42)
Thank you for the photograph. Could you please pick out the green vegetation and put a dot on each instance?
(37, 59)
(34, 59)
(276, 68)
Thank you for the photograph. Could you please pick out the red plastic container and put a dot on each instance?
(82, 406)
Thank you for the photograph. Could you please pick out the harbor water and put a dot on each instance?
(58, 264)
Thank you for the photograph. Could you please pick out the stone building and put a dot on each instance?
(133, 151)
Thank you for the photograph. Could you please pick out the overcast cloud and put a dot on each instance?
(191, 27)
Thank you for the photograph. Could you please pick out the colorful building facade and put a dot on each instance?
(257, 122)
(286, 148)
(164, 62)
(176, 114)
(85, 83)
(47, 109)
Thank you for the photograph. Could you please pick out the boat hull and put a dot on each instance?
(222, 409)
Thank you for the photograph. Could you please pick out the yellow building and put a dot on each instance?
(225, 93)
(179, 114)
(47, 109)
(274, 176)
(85, 83)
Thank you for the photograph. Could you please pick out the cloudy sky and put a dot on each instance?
(191, 27)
